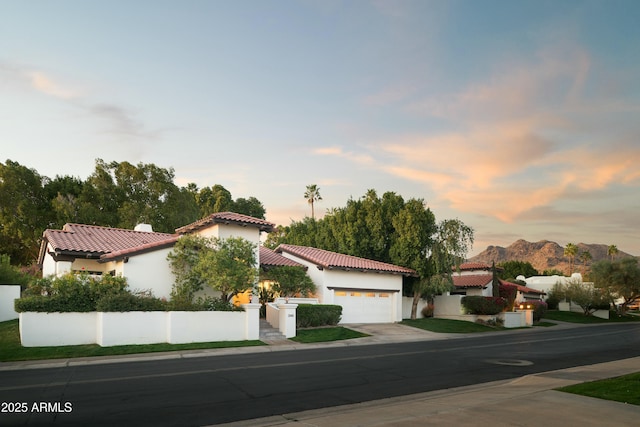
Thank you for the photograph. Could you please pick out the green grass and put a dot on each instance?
(326, 334)
(569, 316)
(448, 326)
(624, 389)
(545, 324)
(12, 350)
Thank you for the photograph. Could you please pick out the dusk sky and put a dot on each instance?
(521, 118)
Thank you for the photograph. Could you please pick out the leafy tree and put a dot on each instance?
(214, 199)
(182, 260)
(290, 281)
(620, 279)
(513, 269)
(312, 195)
(585, 295)
(24, 211)
(571, 251)
(229, 267)
(9, 274)
(612, 251)
(251, 206)
(552, 272)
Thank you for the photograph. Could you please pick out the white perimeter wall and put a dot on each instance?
(142, 327)
(8, 295)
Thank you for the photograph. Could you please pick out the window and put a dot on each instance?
(356, 294)
(341, 294)
(383, 295)
(370, 295)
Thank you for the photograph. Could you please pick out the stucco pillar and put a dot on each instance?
(252, 331)
(287, 320)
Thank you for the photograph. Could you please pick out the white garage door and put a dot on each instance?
(365, 306)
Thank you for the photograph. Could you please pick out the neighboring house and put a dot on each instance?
(368, 291)
(546, 283)
(473, 278)
(477, 279)
(140, 255)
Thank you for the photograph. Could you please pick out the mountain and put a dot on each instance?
(543, 255)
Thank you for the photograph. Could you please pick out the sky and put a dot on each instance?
(520, 118)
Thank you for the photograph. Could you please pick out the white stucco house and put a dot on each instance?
(368, 291)
(140, 255)
(475, 278)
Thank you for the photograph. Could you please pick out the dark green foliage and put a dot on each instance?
(513, 269)
(217, 304)
(130, 302)
(9, 274)
(483, 305)
(313, 315)
(70, 293)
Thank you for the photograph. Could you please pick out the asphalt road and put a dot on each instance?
(211, 390)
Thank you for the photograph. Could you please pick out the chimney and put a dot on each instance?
(144, 227)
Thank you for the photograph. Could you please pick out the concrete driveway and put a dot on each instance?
(392, 332)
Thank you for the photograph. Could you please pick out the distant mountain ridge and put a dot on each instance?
(544, 255)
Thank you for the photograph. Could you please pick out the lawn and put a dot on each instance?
(326, 334)
(624, 389)
(12, 350)
(572, 317)
(448, 326)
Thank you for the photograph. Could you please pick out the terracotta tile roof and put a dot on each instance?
(227, 218)
(472, 280)
(94, 240)
(270, 258)
(136, 250)
(524, 289)
(333, 260)
(477, 266)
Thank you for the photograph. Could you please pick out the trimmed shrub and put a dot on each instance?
(427, 310)
(312, 315)
(483, 305)
(129, 302)
(217, 304)
(70, 293)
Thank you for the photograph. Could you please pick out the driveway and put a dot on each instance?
(392, 332)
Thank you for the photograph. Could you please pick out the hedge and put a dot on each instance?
(130, 302)
(483, 305)
(312, 315)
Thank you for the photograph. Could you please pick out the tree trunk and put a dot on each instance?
(414, 305)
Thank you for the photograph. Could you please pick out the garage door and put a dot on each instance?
(365, 306)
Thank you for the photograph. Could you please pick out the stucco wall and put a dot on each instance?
(149, 271)
(8, 295)
(224, 231)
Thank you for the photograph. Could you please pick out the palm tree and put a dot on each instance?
(585, 257)
(312, 195)
(612, 251)
(570, 251)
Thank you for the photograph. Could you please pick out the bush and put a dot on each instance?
(483, 305)
(217, 304)
(130, 302)
(427, 310)
(70, 293)
(312, 315)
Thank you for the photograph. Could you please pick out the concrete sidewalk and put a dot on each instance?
(526, 401)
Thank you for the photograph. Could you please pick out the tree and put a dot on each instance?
(225, 265)
(585, 257)
(612, 251)
(513, 269)
(214, 199)
(251, 206)
(312, 195)
(290, 281)
(24, 211)
(585, 295)
(230, 267)
(620, 279)
(571, 251)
